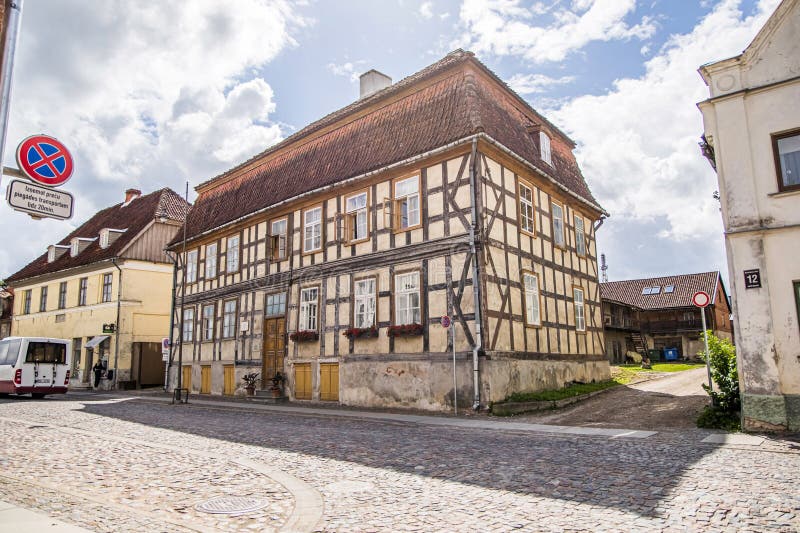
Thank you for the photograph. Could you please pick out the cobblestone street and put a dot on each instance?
(113, 463)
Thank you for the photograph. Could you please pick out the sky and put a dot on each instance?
(157, 94)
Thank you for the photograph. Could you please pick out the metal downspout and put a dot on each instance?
(117, 328)
(476, 285)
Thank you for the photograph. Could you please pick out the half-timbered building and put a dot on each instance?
(333, 256)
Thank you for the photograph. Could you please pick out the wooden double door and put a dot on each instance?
(274, 349)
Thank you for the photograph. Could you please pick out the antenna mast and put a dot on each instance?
(604, 268)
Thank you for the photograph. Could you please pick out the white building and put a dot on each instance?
(752, 126)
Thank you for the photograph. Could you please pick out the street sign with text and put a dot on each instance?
(39, 201)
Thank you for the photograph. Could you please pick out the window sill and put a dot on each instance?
(410, 228)
(781, 194)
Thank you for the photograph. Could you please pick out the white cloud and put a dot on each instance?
(637, 144)
(505, 27)
(348, 69)
(535, 83)
(144, 94)
(426, 10)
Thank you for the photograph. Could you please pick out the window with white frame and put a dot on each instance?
(62, 295)
(525, 208)
(312, 229)
(107, 281)
(580, 235)
(43, 299)
(278, 238)
(364, 306)
(558, 224)
(232, 254)
(407, 301)
(406, 203)
(356, 217)
(532, 310)
(191, 266)
(83, 286)
(188, 325)
(211, 261)
(229, 319)
(544, 147)
(309, 305)
(209, 312)
(580, 316)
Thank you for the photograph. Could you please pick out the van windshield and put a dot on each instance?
(9, 350)
(46, 352)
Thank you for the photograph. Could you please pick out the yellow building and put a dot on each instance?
(107, 286)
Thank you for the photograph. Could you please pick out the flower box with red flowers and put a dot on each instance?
(360, 333)
(406, 330)
(304, 336)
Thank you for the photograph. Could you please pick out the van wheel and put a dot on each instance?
(37, 395)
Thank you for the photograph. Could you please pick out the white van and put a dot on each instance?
(34, 365)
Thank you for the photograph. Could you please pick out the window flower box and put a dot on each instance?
(359, 333)
(406, 330)
(304, 336)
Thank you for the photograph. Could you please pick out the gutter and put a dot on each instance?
(402, 163)
(476, 285)
(118, 325)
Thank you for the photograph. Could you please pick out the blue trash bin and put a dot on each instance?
(670, 354)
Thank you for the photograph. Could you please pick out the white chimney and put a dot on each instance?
(373, 81)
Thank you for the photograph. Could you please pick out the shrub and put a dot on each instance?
(726, 402)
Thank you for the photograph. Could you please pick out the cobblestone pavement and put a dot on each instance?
(108, 463)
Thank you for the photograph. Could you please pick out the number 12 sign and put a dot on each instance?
(752, 279)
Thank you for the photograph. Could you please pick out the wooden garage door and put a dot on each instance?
(205, 379)
(230, 380)
(329, 382)
(187, 377)
(302, 381)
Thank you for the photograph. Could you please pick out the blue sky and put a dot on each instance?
(149, 95)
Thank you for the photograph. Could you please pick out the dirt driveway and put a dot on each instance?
(672, 400)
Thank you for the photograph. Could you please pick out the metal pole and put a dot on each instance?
(705, 338)
(455, 384)
(10, 48)
(168, 362)
(117, 326)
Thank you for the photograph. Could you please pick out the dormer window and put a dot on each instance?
(108, 236)
(79, 244)
(54, 251)
(544, 147)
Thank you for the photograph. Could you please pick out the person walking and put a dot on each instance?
(98, 371)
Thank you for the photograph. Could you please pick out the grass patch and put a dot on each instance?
(663, 367)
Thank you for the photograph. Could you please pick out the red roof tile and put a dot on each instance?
(134, 217)
(456, 106)
(629, 292)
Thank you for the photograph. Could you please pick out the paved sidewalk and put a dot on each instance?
(19, 520)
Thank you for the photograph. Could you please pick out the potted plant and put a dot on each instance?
(277, 385)
(250, 383)
(405, 330)
(357, 333)
(304, 336)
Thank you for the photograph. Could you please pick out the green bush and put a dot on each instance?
(726, 402)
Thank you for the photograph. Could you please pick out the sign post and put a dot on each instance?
(165, 358)
(701, 299)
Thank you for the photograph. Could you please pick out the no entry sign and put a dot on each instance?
(701, 299)
(45, 160)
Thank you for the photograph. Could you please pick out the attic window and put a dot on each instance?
(651, 290)
(669, 288)
(79, 244)
(108, 236)
(54, 251)
(544, 147)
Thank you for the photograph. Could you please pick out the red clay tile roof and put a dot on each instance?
(629, 292)
(134, 217)
(455, 107)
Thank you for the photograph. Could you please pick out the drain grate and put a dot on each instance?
(233, 505)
